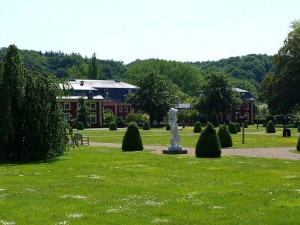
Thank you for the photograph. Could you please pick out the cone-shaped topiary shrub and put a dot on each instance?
(132, 140)
(113, 126)
(232, 128)
(224, 137)
(298, 145)
(197, 127)
(80, 126)
(238, 127)
(168, 127)
(208, 144)
(146, 126)
(270, 128)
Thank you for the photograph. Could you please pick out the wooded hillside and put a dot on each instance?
(247, 71)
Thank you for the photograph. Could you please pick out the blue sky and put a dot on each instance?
(125, 30)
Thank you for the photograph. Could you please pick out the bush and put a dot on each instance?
(270, 128)
(113, 126)
(238, 127)
(80, 126)
(120, 122)
(298, 145)
(197, 127)
(132, 140)
(168, 127)
(224, 137)
(146, 126)
(208, 144)
(232, 128)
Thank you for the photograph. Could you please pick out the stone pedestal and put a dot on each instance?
(175, 150)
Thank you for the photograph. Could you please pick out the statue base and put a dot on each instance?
(175, 150)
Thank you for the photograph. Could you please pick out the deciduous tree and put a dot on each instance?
(155, 96)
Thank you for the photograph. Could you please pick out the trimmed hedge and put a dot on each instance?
(208, 145)
(224, 137)
(298, 145)
(238, 127)
(232, 128)
(80, 126)
(168, 127)
(270, 128)
(113, 126)
(132, 140)
(197, 127)
(146, 126)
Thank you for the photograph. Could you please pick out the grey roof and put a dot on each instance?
(80, 84)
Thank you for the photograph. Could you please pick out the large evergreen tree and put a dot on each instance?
(83, 113)
(95, 72)
(33, 126)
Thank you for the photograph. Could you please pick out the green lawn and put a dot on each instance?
(92, 185)
(253, 138)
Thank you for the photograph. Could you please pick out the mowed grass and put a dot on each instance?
(100, 185)
(253, 138)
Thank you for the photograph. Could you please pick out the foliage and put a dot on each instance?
(83, 113)
(69, 65)
(109, 117)
(139, 118)
(284, 83)
(238, 127)
(270, 128)
(120, 122)
(146, 126)
(224, 137)
(208, 144)
(113, 125)
(155, 96)
(298, 144)
(95, 72)
(185, 76)
(187, 115)
(217, 95)
(33, 126)
(197, 127)
(168, 126)
(132, 140)
(80, 126)
(232, 128)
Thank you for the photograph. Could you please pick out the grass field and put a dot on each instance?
(253, 138)
(92, 185)
(103, 185)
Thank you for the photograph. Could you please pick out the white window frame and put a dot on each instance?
(78, 105)
(67, 106)
(126, 109)
(93, 118)
(238, 107)
(120, 108)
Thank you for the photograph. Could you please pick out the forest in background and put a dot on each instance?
(246, 72)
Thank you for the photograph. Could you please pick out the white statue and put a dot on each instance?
(175, 139)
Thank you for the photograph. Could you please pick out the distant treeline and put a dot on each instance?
(246, 71)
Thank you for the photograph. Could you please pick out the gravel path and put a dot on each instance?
(278, 152)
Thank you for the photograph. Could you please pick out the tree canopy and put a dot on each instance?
(155, 96)
(217, 94)
(33, 126)
(281, 88)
